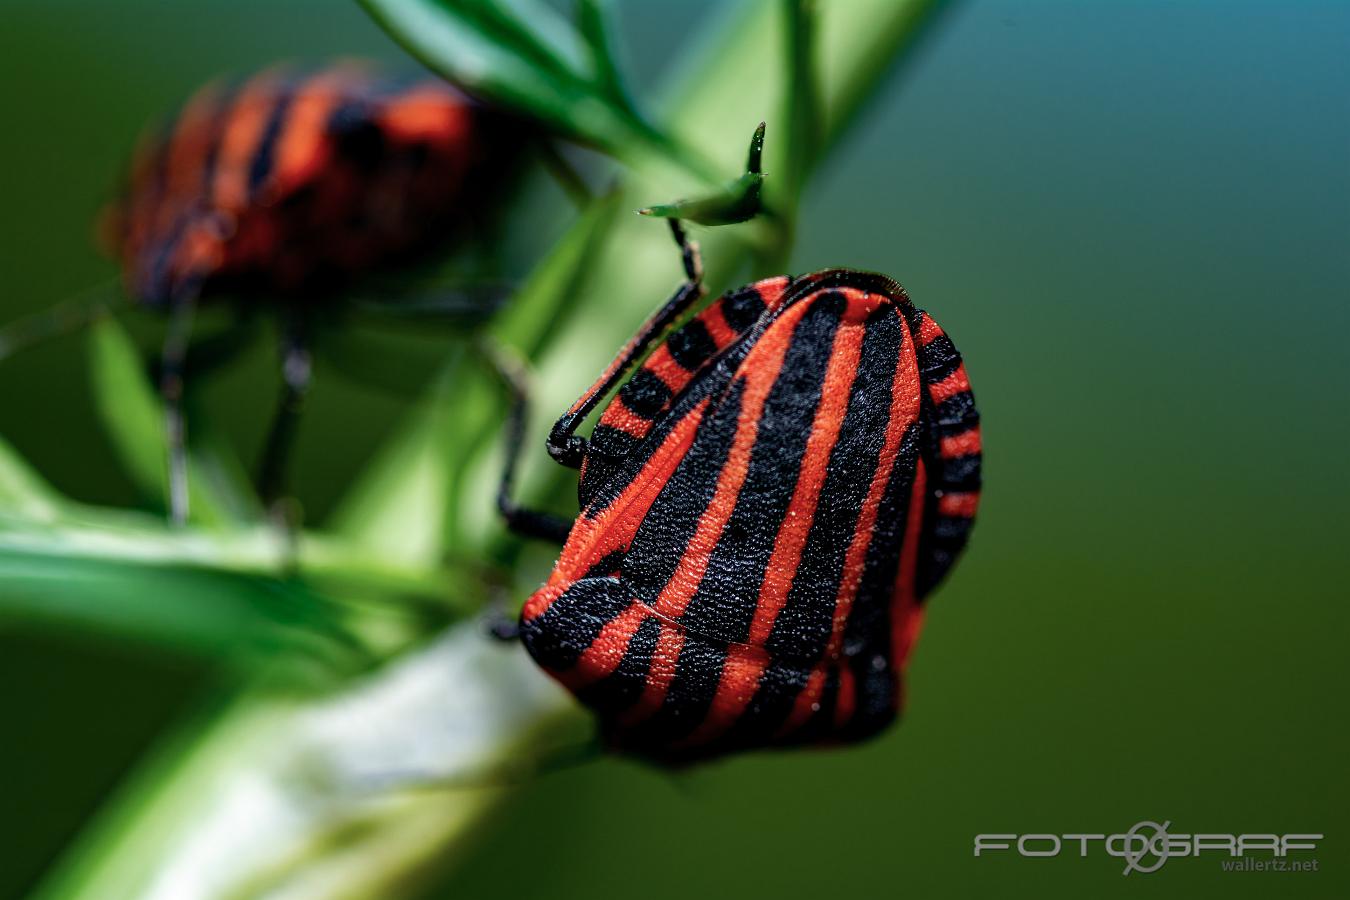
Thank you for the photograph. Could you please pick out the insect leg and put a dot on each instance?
(563, 443)
(172, 360)
(525, 522)
(296, 371)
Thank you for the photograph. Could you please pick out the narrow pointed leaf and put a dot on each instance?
(181, 609)
(595, 20)
(737, 201)
(805, 116)
(494, 54)
(400, 506)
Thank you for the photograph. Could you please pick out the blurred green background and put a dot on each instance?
(1132, 217)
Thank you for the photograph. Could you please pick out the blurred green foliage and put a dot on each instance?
(1135, 234)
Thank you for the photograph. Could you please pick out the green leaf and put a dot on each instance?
(142, 539)
(129, 574)
(737, 201)
(501, 55)
(803, 109)
(133, 415)
(218, 480)
(595, 20)
(187, 611)
(532, 28)
(401, 503)
(557, 282)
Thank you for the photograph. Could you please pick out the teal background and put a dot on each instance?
(1132, 217)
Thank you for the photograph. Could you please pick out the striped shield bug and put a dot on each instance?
(287, 185)
(766, 503)
(281, 191)
(284, 188)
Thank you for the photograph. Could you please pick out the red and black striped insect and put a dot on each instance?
(283, 188)
(765, 505)
(287, 185)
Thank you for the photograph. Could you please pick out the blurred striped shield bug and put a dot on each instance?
(286, 184)
(766, 503)
(283, 188)
(279, 192)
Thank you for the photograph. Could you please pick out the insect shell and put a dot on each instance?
(287, 185)
(766, 504)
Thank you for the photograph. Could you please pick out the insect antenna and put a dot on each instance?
(58, 320)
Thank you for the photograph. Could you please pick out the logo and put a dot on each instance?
(1147, 846)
